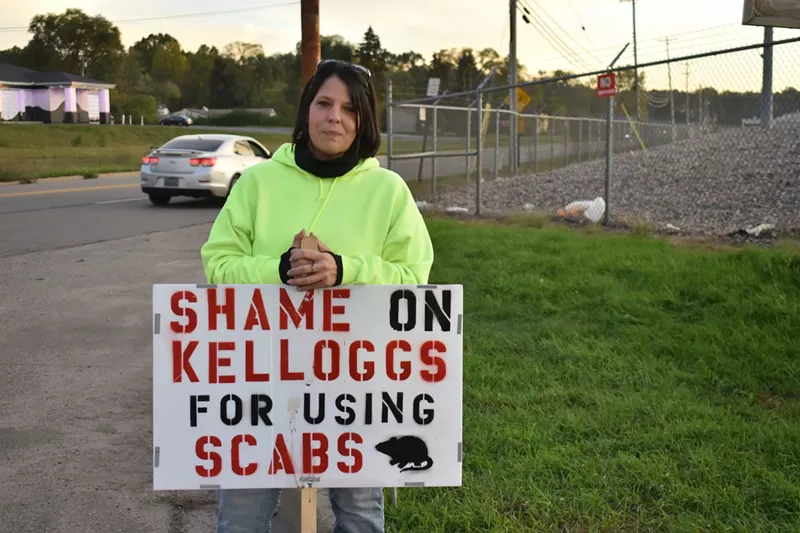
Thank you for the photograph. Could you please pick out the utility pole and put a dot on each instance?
(699, 106)
(687, 93)
(309, 24)
(671, 95)
(766, 91)
(635, 62)
(512, 80)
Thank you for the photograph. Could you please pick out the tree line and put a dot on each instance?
(157, 72)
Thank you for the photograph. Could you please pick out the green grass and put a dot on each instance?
(33, 151)
(618, 383)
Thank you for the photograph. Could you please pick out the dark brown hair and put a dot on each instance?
(367, 141)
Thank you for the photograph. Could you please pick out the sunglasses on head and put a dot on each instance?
(358, 68)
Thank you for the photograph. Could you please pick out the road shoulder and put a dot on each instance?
(76, 339)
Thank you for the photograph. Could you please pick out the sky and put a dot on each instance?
(592, 31)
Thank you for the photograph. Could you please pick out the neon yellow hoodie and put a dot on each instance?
(368, 217)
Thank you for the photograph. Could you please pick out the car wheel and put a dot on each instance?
(233, 182)
(160, 198)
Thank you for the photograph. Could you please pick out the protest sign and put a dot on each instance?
(258, 386)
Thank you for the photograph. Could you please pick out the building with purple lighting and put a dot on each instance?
(52, 97)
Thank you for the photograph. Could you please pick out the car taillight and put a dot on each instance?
(203, 161)
(147, 160)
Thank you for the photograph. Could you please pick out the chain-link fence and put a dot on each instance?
(693, 156)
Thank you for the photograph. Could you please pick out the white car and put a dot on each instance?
(199, 166)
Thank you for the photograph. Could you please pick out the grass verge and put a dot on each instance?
(33, 151)
(619, 383)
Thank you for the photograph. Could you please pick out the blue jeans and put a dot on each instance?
(251, 510)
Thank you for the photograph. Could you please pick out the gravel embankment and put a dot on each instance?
(714, 185)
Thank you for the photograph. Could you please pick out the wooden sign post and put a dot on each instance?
(308, 510)
(308, 496)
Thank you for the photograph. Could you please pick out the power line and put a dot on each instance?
(561, 29)
(183, 15)
(583, 26)
(657, 48)
(558, 45)
(531, 17)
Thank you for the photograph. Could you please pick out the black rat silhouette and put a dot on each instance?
(405, 451)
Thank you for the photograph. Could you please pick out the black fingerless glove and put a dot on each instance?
(339, 273)
(285, 265)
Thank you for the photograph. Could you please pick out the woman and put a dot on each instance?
(326, 184)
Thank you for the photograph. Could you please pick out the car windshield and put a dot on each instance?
(201, 145)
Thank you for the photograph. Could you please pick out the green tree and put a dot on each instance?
(372, 55)
(195, 88)
(443, 66)
(147, 48)
(14, 56)
(242, 52)
(467, 72)
(74, 42)
(336, 47)
(489, 58)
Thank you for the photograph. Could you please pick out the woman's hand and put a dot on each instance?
(312, 269)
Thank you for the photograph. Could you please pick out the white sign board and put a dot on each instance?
(776, 13)
(258, 386)
(433, 86)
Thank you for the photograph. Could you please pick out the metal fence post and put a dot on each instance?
(389, 123)
(469, 139)
(553, 144)
(609, 155)
(580, 138)
(566, 142)
(435, 145)
(496, 143)
(536, 145)
(479, 159)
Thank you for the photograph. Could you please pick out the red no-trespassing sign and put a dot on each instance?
(606, 85)
(258, 386)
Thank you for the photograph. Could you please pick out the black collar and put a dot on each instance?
(332, 168)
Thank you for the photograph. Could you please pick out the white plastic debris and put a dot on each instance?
(528, 207)
(673, 229)
(422, 204)
(580, 211)
(761, 228)
(457, 210)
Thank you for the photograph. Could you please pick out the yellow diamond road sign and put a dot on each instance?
(522, 99)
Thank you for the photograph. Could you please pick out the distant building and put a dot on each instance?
(52, 97)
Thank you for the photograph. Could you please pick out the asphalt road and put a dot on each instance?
(48, 216)
(78, 261)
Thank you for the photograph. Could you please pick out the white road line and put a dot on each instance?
(118, 201)
(168, 264)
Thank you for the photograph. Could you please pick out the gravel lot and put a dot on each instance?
(713, 185)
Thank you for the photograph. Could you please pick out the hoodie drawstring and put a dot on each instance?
(325, 203)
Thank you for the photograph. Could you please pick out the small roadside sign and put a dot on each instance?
(433, 86)
(522, 100)
(606, 85)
